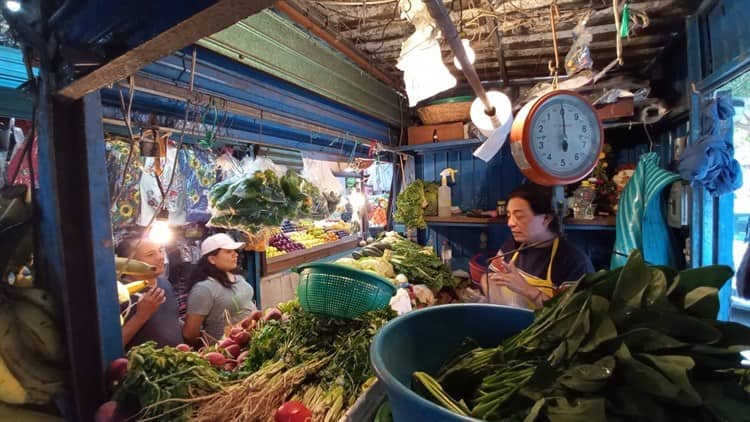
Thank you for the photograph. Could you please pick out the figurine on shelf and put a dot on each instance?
(606, 190)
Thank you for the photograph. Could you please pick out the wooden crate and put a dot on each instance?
(448, 132)
(622, 108)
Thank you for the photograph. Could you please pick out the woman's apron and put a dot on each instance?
(501, 295)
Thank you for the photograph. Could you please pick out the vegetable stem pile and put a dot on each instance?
(635, 343)
(288, 354)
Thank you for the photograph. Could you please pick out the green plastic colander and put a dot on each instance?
(341, 292)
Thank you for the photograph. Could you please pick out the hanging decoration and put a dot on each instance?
(124, 182)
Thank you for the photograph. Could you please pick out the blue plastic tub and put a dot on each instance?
(423, 340)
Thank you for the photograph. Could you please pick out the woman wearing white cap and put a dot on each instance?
(217, 292)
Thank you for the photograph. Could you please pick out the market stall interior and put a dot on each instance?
(247, 205)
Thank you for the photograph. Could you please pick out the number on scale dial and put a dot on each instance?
(565, 136)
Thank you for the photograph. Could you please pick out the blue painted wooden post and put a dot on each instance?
(701, 220)
(74, 250)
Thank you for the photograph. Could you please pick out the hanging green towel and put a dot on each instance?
(640, 215)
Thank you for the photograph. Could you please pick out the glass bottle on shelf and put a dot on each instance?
(583, 201)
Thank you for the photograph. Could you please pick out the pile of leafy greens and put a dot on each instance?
(636, 343)
(402, 256)
(410, 204)
(254, 201)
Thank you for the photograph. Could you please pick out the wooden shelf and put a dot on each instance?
(598, 223)
(437, 146)
(289, 260)
(462, 220)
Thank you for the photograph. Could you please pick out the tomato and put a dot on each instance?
(293, 411)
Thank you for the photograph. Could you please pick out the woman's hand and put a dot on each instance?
(149, 303)
(510, 277)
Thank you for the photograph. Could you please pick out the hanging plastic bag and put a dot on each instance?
(421, 59)
(579, 55)
(151, 194)
(319, 173)
(229, 166)
(250, 166)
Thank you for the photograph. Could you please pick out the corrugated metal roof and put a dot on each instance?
(12, 69)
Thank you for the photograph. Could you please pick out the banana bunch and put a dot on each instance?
(31, 348)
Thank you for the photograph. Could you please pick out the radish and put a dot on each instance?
(226, 342)
(229, 366)
(272, 313)
(107, 412)
(233, 350)
(216, 359)
(241, 358)
(253, 325)
(117, 370)
(256, 315)
(246, 322)
(183, 347)
(241, 338)
(235, 331)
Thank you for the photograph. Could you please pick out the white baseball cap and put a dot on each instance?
(219, 241)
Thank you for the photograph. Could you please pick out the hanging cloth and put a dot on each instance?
(640, 222)
(124, 183)
(709, 162)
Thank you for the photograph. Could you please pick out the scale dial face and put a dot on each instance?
(561, 138)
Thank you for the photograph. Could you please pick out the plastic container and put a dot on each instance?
(423, 340)
(583, 201)
(477, 267)
(341, 292)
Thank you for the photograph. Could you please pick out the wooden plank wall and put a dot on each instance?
(478, 185)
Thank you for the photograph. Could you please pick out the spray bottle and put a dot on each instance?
(444, 192)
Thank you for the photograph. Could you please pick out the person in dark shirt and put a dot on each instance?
(155, 315)
(527, 277)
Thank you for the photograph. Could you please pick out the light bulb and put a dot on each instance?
(469, 54)
(357, 200)
(13, 5)
(160, 232)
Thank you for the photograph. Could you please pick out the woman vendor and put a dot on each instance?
(219, 296)
(536, 260)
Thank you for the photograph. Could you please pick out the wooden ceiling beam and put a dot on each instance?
(210, 20)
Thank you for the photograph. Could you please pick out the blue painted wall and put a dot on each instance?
(479, 185)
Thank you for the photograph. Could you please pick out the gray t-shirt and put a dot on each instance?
(164, 325)
(210, 299)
